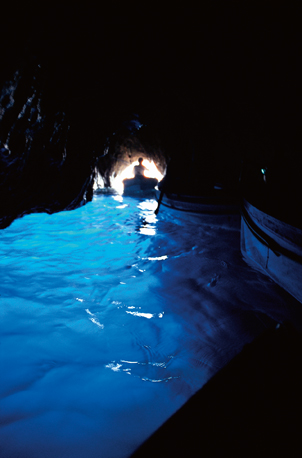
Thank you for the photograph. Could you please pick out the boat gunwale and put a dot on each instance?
(264, 237)
(207, 205)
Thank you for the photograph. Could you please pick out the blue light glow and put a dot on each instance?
(108, 323)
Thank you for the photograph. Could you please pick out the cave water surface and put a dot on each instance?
(112, 318)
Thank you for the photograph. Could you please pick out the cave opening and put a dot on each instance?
(122, 152)
(128, 172)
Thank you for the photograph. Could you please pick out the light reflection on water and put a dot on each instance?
(112, 317)
(147, 225)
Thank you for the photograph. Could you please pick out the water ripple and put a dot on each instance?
(98, 300)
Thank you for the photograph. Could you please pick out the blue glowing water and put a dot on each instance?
(111, 318)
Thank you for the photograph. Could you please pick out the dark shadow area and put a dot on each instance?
(249, 408)
(211, 88)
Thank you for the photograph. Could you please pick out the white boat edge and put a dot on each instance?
(266, 250)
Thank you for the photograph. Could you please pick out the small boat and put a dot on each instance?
(139, 185)
(215, 207)
(213, 202)
(273, 246)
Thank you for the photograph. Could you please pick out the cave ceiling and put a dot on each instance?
(219, 82)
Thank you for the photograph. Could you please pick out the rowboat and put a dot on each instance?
(214, 202)
(139, 185)
(215, 207)
(273, 246)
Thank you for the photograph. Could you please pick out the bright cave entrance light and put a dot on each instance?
(151, 172)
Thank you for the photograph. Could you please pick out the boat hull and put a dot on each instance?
(208, 204)
(214, 209)
(274, 247)
(139, 186)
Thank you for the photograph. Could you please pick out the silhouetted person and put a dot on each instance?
(139, 182)
(139, 170)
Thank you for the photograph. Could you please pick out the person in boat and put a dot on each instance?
(144, 183)
(139, 170)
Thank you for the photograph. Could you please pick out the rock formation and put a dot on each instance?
(211, 90)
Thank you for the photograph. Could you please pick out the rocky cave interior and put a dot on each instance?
(209, 90)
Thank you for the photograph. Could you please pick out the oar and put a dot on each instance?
(159, 201)
(164, 186)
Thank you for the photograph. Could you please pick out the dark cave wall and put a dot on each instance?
(42, 166)
(213, 88)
